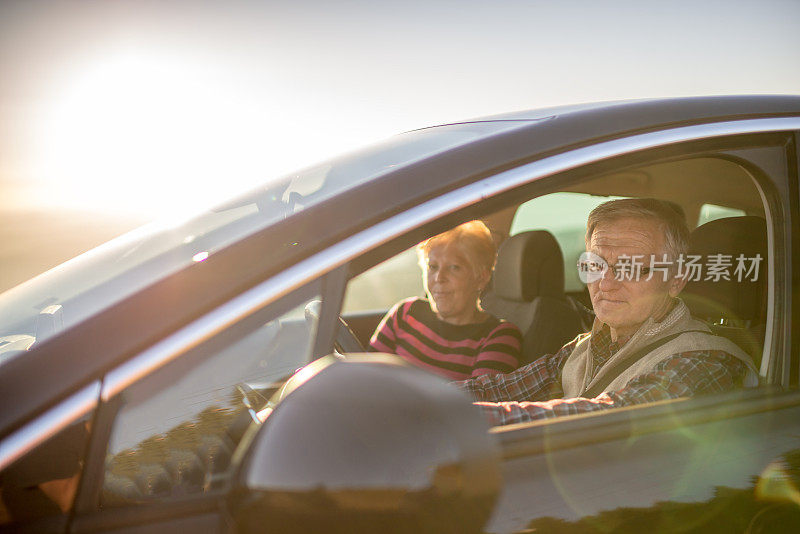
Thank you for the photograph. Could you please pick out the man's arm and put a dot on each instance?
(683, 375)
(539, 380)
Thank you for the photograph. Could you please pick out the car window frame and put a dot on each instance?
(794, 210)
(775, 360)
(771, 181)
(444, 218)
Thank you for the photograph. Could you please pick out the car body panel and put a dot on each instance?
(713, 466)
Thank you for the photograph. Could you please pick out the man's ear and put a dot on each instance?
(676, 285)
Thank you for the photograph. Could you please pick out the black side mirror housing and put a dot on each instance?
(367, 444)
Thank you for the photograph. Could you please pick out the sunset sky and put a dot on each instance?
(138, 109)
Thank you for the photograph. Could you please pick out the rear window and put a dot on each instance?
(563, 215)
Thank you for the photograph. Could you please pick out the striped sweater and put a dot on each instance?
(412, 331)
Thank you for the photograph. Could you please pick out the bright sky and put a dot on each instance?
(149, 107)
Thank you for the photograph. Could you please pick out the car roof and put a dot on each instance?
(554, 111)
(685, 108)
(88, 350)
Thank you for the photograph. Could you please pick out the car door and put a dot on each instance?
(724, 463)
(721, 463)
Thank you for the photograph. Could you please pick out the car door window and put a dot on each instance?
(723, 459)
(176, 430)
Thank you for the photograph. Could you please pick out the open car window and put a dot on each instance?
(705, 189)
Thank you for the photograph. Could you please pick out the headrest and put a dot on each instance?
(742, 296)
(529, 265)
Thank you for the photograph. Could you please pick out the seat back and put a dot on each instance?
(528, 290)
(733, 303)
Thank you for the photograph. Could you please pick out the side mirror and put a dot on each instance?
(367, 444)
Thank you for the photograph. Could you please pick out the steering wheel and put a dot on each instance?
(346, 340)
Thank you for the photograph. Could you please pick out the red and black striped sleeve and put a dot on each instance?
(385, 337)
(501, 351)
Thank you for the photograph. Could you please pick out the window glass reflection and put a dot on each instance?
(178, 429)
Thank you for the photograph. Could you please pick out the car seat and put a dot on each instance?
(733, 308)
(528, 290)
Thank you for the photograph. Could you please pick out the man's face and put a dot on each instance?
(625, 305)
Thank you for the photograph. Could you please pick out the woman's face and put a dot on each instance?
(452, 284)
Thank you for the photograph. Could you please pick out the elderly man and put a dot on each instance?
(644, 345)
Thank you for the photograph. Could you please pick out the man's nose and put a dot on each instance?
(609, 281)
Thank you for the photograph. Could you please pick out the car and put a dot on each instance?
(209, 374)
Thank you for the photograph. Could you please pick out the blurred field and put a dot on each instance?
(33, 241)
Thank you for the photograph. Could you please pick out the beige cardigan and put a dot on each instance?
(577, 372)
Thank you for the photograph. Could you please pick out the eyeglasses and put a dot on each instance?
(592, 268)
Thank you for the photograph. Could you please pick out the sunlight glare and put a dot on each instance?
(147, 134)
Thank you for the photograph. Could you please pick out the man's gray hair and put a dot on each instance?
(669, 216)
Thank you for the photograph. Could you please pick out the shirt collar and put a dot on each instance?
(602, 331)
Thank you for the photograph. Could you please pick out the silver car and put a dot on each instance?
(134, 378)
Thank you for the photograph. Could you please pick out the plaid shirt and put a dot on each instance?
(534, 391)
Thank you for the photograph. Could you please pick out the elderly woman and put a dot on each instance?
(448, 333)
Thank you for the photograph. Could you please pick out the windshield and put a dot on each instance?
(93, 281)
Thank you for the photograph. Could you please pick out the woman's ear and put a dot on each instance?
(484, 275)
